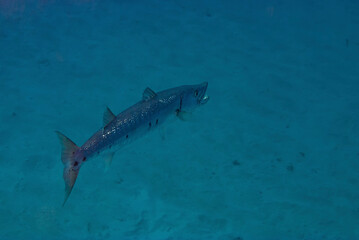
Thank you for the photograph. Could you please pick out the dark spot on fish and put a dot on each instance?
(180, 107)
(156, 121)
(126, 136)
(302, 154)
(84, 159)
(76, 163)
(73, 153)
(149, 124)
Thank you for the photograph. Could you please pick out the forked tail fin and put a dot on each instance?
(71, 169)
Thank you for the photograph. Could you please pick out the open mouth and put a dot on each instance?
(203, 99)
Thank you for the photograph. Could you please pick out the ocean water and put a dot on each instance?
(273, 155)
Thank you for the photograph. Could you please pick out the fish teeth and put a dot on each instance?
(204, 99)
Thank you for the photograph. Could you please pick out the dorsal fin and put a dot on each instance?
(108, 116)
(148, 94)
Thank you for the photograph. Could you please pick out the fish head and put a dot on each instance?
(194, 96)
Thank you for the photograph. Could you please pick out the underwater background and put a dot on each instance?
(273, 155)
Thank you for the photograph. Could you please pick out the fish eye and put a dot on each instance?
(196, 93)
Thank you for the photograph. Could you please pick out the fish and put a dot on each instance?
(152, 111)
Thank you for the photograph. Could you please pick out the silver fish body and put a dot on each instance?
(153, 110)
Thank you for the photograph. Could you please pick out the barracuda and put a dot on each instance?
(134, 122)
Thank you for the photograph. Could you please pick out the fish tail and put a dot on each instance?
(71, 166)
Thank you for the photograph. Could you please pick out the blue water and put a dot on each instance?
(273, 154)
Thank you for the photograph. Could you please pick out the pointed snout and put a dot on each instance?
(204, 85)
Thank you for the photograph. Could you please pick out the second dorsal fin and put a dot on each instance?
(108, 116)
(148, 94)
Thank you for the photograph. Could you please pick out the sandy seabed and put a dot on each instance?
(273, 155)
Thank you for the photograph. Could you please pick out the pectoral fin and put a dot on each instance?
(162, 133)
(184, 116)
(108, 160)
